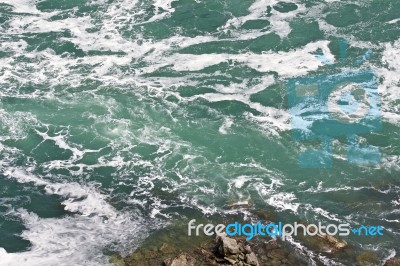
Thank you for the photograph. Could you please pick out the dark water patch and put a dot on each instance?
(4, 54)
(255, 24)
(190, 18)
(273, 96)
(229, 74)
(33, 199)
(363, 21)
(264, 43)
(5, 14)
(303, 32)
(49, 5)
(166, 71)
(54, 41)
(346, 15)
(231, 107)
(193, 91)
(75, 8)
(285, 7)
(105, 53)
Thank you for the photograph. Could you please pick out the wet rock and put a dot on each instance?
(272, 244)
(230, 260)
(395, 261)
(221, 251)
(336, 243)
(181, 260)
(252, 259)
(247, 249)
(228, 246)
(235, 251)
(323, 242)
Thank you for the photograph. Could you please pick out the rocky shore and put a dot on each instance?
(173, 247)
(237, 252)
(220, 251)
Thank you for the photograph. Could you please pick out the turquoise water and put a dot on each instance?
(120, 117)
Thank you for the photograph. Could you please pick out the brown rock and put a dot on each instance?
(228, 246)
(181, 260)
(272, 244)
(395, 261)
(247, 249)
(230, 260)
(252, 259)
(336, 243)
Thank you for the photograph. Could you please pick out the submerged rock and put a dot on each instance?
(167, 248)
(240, 205)
(368, 258)
(334, 242)
(322, 242)
(117, 260)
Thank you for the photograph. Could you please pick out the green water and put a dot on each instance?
(120, 117)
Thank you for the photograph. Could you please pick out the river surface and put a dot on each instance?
(119, 117)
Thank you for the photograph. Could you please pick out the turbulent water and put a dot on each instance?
(119, 117)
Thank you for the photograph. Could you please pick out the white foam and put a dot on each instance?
(393, 21)
(15, 125)
(22, 6)
(312, 256)
(287, 64)
(283, 201)
(228, 122)
(326, 214)
(163, 9)
(279, 22)
(75, 239)
(392, 254)
(272, 119)
(396, 202)
(389, 89)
